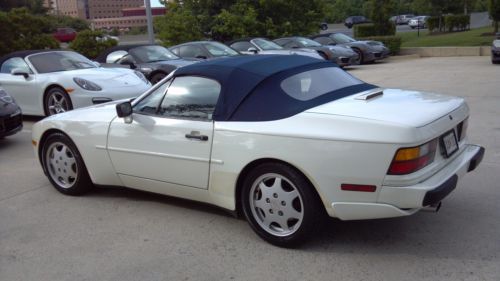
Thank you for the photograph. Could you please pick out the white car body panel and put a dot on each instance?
(116, 83)
(345, 141)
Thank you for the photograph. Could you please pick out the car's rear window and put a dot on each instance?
(310, 84)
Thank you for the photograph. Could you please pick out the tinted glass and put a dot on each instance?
(152, 54)
(308, 42)
(191, 98)
(59, 61)
(324, 40)
(191, 51)
(149, 105)
(220, 50)
(175, 50)
(241, 46)
(14, 63)
(341, 38)
(266, 44)
(314, 83)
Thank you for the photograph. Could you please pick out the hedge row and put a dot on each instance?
(370, 29)
(391, 42)
(449, 23)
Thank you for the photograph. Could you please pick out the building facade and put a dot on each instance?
(105, 13)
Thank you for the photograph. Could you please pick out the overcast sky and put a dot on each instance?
(155, 3)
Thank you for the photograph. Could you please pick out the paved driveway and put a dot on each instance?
(114, 234)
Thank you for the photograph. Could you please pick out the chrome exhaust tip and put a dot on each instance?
(434, 208)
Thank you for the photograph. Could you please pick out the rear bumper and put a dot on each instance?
(396, 201)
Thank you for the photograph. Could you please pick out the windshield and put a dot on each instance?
(59, 61)
(220, 50)
(341, 38)
(266, 44)
(306, 42)
(152, 53)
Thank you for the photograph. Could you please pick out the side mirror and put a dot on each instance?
(201, 57)
(253, 50)
(332, 44)
(20, 72)
(124, 110)
(129, 61)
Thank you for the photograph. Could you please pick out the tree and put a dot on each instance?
(34, 6)
(381, 11)
(494, 9)
(91, 43)
(22, 30)
(177, 26)
(240, 21)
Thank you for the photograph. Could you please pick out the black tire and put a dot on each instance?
(157, 77)
(68, 174)
(360, 56)
(56, 100)
(305, 205)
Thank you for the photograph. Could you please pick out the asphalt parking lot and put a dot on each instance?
(117, 234)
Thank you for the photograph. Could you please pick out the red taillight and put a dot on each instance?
(412, 159)
(358, 187)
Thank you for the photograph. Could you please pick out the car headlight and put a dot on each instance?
(5, 97)
(140, 75)
(86, 84)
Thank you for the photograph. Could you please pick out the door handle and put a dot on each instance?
(196, 135)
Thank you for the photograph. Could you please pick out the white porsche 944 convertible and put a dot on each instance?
(281, 139)
(46, 82)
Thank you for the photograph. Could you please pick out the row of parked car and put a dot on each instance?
(47, 82)
(409, 19)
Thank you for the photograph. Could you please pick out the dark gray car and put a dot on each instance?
(154, 61)
(203, 50)
(368, 51)
(253, 46)
(341, 55)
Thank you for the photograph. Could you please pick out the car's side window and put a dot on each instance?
(242, 46)
(191, 97)
(14, 63)
(191, 51)
(323, 40)
(149, 105)
(291, 45)
(115, 56)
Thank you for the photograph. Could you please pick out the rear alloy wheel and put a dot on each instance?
(64, 165)
(280, 204)
(157, 77)
(57, 101)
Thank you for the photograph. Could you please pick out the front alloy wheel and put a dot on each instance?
(280, 204)
(64, 165)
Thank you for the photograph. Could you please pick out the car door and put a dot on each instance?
(169, 140)
(25, 90)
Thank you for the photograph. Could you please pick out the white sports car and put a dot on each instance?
(48, 82)
(282, 139)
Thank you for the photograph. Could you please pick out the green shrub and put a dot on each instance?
(90, 44)
(449, 23)
(456, 22)
(370, 29)
(391, 42)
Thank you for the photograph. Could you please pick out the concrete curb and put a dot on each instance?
(447, 51)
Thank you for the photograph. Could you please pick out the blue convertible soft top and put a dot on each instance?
(250, 86)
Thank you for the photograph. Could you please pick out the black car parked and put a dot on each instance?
(154, 61)
(11, 120)
(203, 50)
(353, 20)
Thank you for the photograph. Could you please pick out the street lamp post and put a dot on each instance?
(149, 17)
